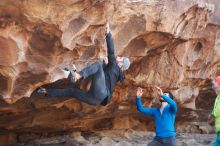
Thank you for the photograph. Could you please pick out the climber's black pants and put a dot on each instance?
(97, 92)
(170, 141)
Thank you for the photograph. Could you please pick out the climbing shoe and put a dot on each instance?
(41, 90)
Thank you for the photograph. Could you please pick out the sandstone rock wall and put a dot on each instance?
(172, 44)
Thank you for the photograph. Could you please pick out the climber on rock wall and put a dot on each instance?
(104, 78)
(216, 110)
(164, 117)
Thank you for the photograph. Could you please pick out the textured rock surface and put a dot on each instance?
(172, 44)
(119, 138)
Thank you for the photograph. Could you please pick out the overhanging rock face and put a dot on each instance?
(172, 44)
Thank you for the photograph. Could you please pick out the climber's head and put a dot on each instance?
(123, 62)
(216, 84)
(217, 80)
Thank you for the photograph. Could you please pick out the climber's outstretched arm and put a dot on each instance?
(110, 46)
